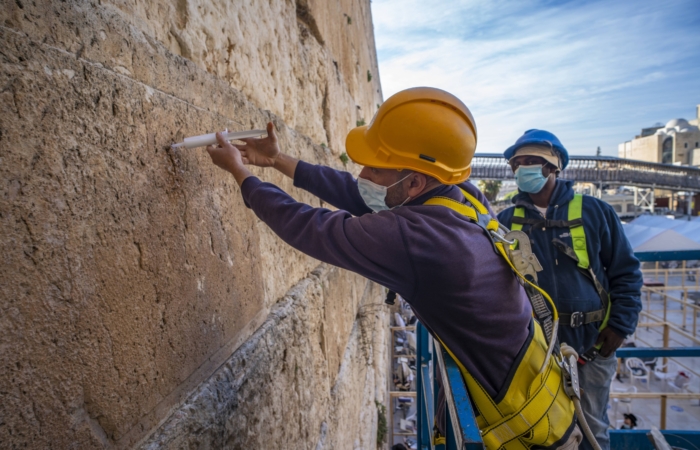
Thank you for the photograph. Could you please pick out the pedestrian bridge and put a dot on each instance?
(602, 170)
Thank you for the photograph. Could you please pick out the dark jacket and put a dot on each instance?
(610, 255)
(437, 260)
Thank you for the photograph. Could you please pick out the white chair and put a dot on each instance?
(676, 380)
(638, 370)
(407, 425)
(627, 401)
(680, 383)
(651, 363)
(666, 372)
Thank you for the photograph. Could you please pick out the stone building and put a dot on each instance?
(143, 305)
(678, 142)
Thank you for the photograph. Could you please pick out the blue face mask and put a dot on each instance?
(530, 179)
(374, 194)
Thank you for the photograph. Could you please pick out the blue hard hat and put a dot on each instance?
(539, 137)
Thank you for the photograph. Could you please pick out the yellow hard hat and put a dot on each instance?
(423, 129)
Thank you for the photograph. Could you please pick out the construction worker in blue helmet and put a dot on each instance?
(589, 268)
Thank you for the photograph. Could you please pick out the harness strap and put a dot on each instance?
(547, 223)
(534, 410)
(541, 311)
(481, 216)
(503, 431)
(578, 234)
(478, 214)
(578, 253)
(518, 213)
(576, 319)
(454, 205)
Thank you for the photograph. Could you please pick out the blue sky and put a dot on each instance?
(592, 72)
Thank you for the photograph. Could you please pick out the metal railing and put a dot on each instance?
(461, 429)
(689, 276)
(602, 169)
(460, 421)
(664, 353)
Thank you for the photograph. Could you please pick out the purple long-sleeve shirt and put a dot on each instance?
(443, 265)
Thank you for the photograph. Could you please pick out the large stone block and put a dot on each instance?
(306, 61)
(282, 376)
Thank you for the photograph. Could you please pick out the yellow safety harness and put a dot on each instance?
(535, 410)
(578, 253)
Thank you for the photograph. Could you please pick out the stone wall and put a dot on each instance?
(142, 303)
(647, 148)
(684, 144)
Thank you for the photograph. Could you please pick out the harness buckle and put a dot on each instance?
(498, 237)
(577, 319)
(590, 355)
(570, 375)
(523, 258)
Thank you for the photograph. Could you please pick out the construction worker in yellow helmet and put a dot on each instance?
(412, 223)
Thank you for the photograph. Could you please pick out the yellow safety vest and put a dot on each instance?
(535, 411)
(580, 255)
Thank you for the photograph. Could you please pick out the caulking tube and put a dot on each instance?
(210, 139)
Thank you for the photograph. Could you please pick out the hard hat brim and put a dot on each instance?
(546, 153)
(360, 152)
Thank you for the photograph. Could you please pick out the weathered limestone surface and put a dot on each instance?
(228, 410)
(255, 47)
(135, 286)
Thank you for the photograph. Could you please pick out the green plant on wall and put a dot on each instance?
(369, 76)
(349, 20)
(344, 158)
(360, 122)
(381, 423)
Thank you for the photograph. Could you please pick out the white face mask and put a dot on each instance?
(374, 194)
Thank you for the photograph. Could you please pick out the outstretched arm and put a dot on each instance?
(330, 236)
(332, 186)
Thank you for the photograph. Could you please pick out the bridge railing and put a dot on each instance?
(436, 367)
(602, 169)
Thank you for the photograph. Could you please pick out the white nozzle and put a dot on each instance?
(210, 139)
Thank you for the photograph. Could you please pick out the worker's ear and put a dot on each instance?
(549, 169)
(417, 182)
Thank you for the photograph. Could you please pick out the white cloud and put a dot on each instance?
(583, 71)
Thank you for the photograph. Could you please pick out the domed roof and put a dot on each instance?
(680, 123)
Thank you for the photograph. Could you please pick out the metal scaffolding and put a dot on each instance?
(644, 199)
